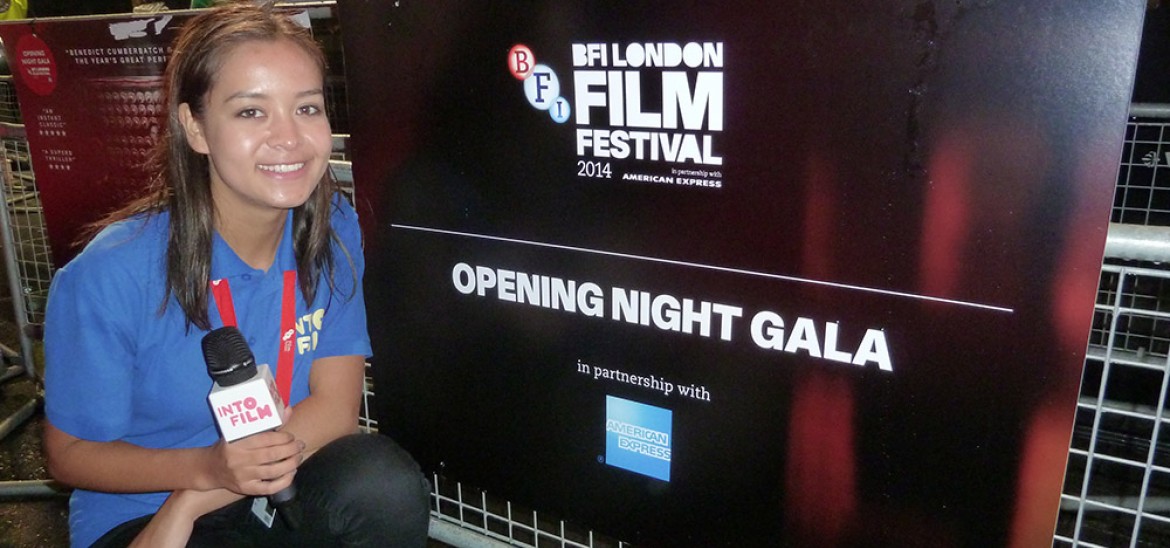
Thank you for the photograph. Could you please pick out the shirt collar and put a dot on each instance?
(225, 263)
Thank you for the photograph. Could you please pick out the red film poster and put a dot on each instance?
(89, 92)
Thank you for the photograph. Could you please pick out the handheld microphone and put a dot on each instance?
(244, 400)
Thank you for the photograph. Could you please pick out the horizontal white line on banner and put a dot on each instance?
(837, 285)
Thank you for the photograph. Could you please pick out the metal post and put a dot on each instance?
(14, 131)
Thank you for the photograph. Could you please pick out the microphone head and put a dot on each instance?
(229, 360)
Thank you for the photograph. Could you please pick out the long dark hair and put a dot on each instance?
(181, 180)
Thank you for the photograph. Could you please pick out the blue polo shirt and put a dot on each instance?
(119, 369)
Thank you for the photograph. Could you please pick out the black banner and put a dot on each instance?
(724, 273)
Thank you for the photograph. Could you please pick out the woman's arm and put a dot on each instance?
(202, 479)
(172, 525)
(334, 402)
(257, 465)
(261, 464)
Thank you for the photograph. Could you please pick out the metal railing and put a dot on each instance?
(1117, 480)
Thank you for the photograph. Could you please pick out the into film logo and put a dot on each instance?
(542, 87)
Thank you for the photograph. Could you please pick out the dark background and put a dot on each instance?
(1153, 73)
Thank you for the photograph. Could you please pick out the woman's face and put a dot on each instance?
(263, 129)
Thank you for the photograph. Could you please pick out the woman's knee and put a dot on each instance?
(369, 470)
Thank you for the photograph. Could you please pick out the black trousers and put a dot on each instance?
(360, 490)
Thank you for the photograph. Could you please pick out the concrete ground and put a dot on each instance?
(24, 521)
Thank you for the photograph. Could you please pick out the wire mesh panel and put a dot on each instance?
(1143, 185)
(33, 258)
(1117, 481)
(9, 106)
(493, 518)
(1117, 484)
(26, 246)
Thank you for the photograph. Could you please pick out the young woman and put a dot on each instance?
(244, 203)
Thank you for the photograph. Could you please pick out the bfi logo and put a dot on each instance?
(542, 87)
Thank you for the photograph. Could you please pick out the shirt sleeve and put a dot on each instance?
(89, 349)
(344, 331)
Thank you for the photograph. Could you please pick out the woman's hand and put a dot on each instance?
(260, 464)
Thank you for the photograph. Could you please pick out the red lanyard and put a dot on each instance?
(288, 312)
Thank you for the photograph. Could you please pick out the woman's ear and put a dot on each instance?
(193, 129)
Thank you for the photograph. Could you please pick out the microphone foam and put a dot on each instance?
(229, 360)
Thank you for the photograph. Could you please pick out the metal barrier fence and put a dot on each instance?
(25, 246)
(1117, 481)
